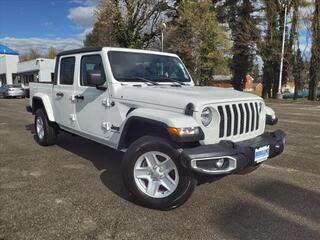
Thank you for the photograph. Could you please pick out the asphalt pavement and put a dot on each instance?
(73, 190)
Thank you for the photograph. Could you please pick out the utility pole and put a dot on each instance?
(163, 27)
(279, 93)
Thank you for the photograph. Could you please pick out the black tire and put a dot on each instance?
(50, 131)
(186, 183)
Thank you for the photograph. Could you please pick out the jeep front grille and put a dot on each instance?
(238, 118)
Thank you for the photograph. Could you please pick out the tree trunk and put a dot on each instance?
(267, 75)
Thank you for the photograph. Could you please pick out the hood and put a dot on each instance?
(179, 97)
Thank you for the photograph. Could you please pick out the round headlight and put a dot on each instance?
(206, 116)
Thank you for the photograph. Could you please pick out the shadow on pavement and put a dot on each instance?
(293, 198)
(105, 159)
(250, 221)
(30, 127)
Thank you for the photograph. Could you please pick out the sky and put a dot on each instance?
(63, 24)
(41, 24)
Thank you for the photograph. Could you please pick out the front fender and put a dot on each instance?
(170, 119)
(46, 103)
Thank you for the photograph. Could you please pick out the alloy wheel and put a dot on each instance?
(156, 174)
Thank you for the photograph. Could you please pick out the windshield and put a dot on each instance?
(127, 66)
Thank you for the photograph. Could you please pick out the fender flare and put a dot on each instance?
(159, 118)
(271, 118)
(46, 104)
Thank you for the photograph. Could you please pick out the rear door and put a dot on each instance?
(63, 93)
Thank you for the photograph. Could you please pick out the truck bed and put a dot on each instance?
(43, 88)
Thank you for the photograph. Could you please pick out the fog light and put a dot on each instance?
(277, 146)
(219, 163)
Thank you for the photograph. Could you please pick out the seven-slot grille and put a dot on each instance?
(238, 118)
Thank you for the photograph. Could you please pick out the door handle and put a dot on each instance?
(81, 97)
(59, 94)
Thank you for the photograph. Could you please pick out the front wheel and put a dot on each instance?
(153, 174)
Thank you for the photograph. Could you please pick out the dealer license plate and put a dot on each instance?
(261, 154)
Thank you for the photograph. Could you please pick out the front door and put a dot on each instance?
(63, 93)
(91, 107)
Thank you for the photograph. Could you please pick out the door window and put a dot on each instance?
(90, 62)
(67, 70)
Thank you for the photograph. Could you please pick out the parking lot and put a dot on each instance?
(74, 190)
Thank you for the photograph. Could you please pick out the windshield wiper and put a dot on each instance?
(173, 81)
(146, 80)
(141, 79)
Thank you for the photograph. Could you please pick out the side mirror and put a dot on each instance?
(95, 78)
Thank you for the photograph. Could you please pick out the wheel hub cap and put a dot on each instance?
(156, 174)
(39, 128)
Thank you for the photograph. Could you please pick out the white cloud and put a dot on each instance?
(82, 16)
(23, 45)
(76, 1)
(85, 2)
(83, 34)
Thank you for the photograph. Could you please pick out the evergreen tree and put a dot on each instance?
(297, 73)
(294, 66)
(270, 46)
(315, 51)
(198, 38)
(240, 18)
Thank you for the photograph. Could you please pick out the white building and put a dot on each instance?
(8, 65)
(14, 72)
(36, 70)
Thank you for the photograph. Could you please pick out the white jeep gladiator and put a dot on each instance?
(145, 103)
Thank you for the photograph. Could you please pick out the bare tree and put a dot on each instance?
(33, 54)
(52, 53)
(128, 23)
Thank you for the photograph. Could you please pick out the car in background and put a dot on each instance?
(301, 94)
(8, 91)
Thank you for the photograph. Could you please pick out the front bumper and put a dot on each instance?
(237, 157)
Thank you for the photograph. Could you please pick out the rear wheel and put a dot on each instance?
(46, 132)
(153, 174)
